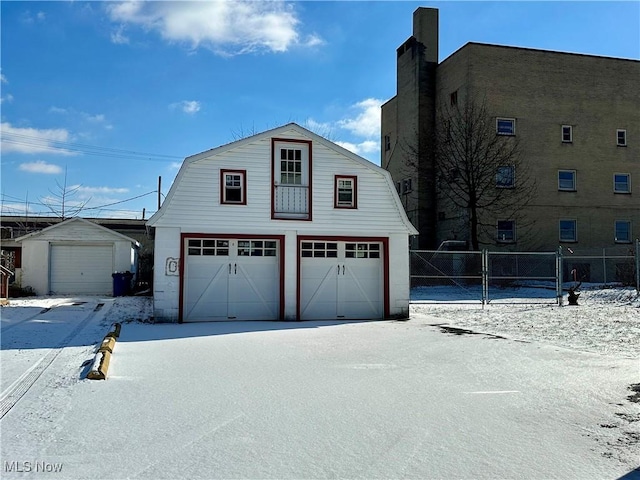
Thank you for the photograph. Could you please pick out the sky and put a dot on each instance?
(100, 99)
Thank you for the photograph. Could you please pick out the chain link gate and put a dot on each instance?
(467, 277)
(539, 272)
(443, 276)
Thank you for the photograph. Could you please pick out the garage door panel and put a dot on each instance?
(231, 279)
(81, 269)
(363, 298)
(206, 297)
(341, 280)
(254, 295)
(318, 293)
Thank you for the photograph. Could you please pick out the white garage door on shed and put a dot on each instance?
(231, 279)
(81, 269)
(341, 279)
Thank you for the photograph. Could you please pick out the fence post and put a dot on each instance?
(485, 276)
(559, 275)
(638, 265)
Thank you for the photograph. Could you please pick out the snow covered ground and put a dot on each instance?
(605, 321)
(392, 399)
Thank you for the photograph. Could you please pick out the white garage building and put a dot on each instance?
(283, 225)
(75, 257)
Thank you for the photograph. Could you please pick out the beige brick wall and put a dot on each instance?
(543, 91)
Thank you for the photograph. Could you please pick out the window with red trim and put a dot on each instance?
(345, 191)
(233, 187)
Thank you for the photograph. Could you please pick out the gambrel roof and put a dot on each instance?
(285, 131)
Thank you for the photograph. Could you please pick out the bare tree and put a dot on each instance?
(480, 172)
(61, 202)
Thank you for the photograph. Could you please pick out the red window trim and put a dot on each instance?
(223, 172)
(355, 191)
(275, 140)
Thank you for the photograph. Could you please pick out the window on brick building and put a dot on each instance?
(505, 126)
(568, 230)
(623, 231)
(506, 176)
(567, 134)
(622, 183)
(567, 180)
(621, 138)
(506, 231)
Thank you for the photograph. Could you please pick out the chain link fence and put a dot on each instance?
(461, 277)
(446, 276)
(608, 266)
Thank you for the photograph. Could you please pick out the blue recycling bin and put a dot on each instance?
(121, 283)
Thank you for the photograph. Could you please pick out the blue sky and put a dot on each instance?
(118, 93)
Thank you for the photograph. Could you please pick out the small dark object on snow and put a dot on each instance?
(573, 296)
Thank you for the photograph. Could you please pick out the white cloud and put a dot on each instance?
(28, 17)
(187, 106)
(7, 98)
(3, 79)
(362, 126)
(226, 27)
(118, 37)
(41, 167)
(17, 208)
(362, 148)
(366, 123)
(33, 140)
(100, 190)
(98, 118)
(175, 165)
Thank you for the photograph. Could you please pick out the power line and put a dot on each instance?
(71, 147)
(122, 201)
(101, 207)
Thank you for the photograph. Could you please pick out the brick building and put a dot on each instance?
(576, 117)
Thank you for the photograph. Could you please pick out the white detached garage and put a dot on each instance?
(283, 225)
(75, 257)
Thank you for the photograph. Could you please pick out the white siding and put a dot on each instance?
(35, 266)
(193, 206)
(36, 250)
(399, 283)
(166, 285)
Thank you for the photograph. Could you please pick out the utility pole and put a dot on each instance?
(159, 191)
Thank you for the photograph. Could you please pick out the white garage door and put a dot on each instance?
(79, 269)
(341, 280)
(231, 279)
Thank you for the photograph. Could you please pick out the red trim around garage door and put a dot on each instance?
(184, 236)
(385, 264)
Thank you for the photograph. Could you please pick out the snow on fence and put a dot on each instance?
(484, 276)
